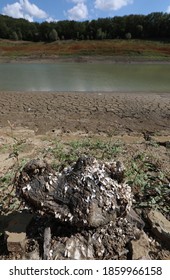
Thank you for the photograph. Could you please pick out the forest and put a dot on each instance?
(154, 26)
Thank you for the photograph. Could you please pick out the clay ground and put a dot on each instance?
(110, 113)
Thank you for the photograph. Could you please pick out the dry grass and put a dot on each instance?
(150, 49)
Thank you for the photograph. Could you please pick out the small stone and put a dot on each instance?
(14, 226)
(15, 241)
(140, 248)
(160, 226)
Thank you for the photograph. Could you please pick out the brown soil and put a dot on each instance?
(113, 113)
(31, 117)
(28, 118)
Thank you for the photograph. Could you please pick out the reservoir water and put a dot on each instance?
(85, 77)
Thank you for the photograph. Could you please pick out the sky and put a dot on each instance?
(79, 10)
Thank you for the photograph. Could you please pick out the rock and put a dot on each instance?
(89, 205)
(75, 247)
(106, 242)
(15, 241)
(87, 194)
(78, 248)
(14, 226)
(165, 144)
(160, 226)
(132, 217)
(140, 248)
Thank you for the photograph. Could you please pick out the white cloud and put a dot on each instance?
(32, 9)
(111, 4)
(51, 19)
(78, 1)
(168, 9)
(24, 9)
(13, 10)
(79, 11)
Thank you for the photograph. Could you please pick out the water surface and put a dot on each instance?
(85, 77)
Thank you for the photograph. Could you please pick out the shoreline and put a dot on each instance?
(84, 59)
(90, 92)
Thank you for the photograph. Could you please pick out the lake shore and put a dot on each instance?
(112, 51)
(115, 59)
(90, 112)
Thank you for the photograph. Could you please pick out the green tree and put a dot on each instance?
(139, 29)
(44, 31)
(100, 34)
(19, 34)
(4, 30)
(128, 36)
(53, 36)
(152, 26)
(14, 36)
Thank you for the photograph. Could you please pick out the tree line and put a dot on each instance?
(151, 26)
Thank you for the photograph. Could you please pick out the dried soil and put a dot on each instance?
(87, 112)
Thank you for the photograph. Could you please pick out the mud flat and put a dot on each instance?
(90, 112)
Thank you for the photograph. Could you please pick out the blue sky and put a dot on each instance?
(80, 10)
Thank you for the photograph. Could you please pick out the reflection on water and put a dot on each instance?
(85, 77)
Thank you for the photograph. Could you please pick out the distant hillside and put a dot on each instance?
(152, 26)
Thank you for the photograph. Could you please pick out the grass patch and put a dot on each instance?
(149, 183)
(66, 153)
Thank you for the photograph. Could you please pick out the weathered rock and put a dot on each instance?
(140, 248)
(106, 242)
(15, 241)
(86, 194)
(132, 217)
(90, 210)
(78, 248)
(160, 226)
